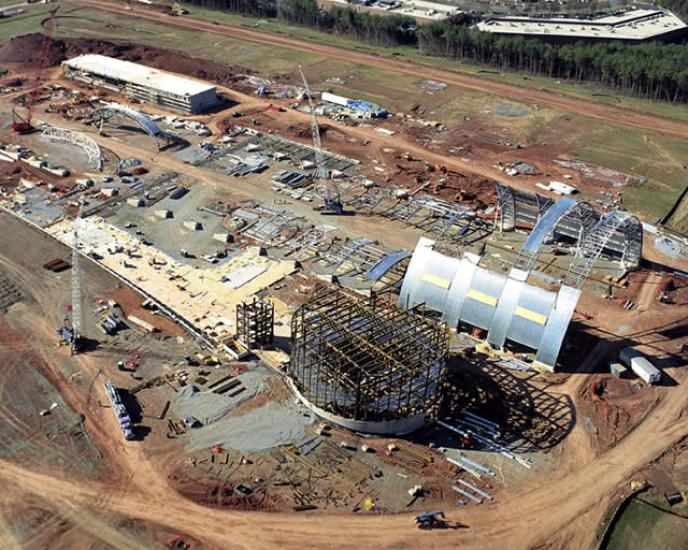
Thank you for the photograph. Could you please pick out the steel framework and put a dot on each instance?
(592, 247)
(90, 147)
(113, 111)
(367, 359)
(255, 323)
(579, 222)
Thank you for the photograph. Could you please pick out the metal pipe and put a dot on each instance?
(466, 494)
(477, 465)
(475, 489)
(465, 468)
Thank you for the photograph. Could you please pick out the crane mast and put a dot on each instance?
(331, 195)
(76, 284)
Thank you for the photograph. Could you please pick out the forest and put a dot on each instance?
(651, 70)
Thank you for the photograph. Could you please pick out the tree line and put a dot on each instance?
(376, 29)
(654, 70)
(679, 7)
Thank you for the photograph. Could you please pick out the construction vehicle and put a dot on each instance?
(132, 362)
(178, 10)
(431, 520)
(23, 125)
(323, 184)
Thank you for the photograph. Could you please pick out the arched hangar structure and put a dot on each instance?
(114, 111)
(89, 146)
(507, 307)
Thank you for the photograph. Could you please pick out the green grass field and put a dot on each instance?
(590, 92)
(643, 527)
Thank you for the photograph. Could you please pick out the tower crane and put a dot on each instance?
(328, 189)
(70, 332)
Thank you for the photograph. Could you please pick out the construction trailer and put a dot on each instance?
(367, 364)
(640, 365)
(255, 323)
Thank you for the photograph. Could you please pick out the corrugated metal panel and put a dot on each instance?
(428, 277)
(556, 326)
(483, 298)
(505, 309)
(142, 119)
(376, 272)
(435, 280)
(547, 223)
(457, 293)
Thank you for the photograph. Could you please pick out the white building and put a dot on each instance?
(143, 83)
(634, 25)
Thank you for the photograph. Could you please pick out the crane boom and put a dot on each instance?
(331, 195)
(23, 125)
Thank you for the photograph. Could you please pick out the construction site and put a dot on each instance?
(229, 293)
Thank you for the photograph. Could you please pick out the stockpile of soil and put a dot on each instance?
(28, 49)
(610, 407)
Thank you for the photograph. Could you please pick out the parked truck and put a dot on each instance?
(640, 365)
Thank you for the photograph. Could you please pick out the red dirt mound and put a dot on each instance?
(27, 49)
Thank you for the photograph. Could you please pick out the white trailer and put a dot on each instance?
(336, 99)
(640, 365)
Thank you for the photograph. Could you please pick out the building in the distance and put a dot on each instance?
(142, 83)
(633, 26)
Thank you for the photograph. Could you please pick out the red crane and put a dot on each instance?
(22, 125)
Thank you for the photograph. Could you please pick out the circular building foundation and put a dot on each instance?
(367, 364)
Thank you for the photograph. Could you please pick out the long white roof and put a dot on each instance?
(637, 24)
(137, 74)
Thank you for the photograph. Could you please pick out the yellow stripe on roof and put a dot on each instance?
(435, 280)
(531, 315)
(482, 297)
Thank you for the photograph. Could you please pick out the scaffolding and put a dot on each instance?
(367, 359)
(255, 323)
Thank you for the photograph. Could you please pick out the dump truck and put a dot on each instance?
(640, 365)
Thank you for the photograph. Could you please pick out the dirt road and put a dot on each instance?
(563, 510)
(630, 117)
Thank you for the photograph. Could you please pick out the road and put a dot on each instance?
(621, 115)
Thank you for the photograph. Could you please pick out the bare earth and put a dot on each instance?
(629, 117)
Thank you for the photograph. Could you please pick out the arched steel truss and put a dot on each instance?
(604, 230)
(90, 147)
(110, 111)
(579, 214)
